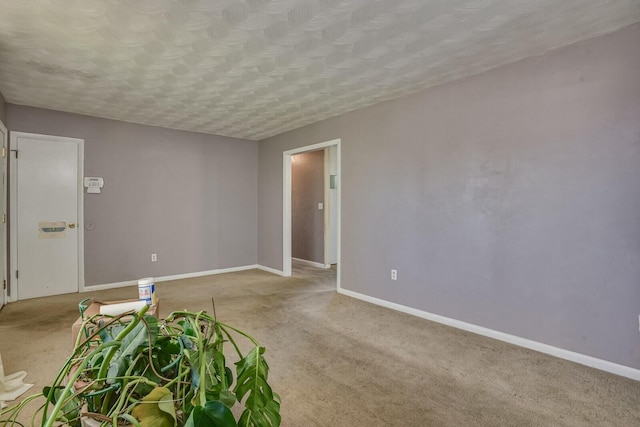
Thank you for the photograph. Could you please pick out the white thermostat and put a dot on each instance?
(93, 184)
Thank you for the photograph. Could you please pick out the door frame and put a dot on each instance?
(329, 206)
(286, 201)
(13, 282)
(4, 262)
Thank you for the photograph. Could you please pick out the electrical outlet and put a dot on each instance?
(394, 274)
(154, 257)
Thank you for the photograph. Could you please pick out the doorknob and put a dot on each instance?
(72, 225)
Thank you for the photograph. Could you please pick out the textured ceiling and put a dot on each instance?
(256, 68)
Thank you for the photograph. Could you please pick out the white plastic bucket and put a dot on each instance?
(147, 290)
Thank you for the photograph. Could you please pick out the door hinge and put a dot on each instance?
(4, 218)
(16, 274)
(4, 284)
(4, 152)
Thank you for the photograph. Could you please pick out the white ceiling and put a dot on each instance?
(256, 68)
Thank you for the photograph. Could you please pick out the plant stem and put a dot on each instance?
(202, 389)
(104, 367)
(61, 400)
(232, 341)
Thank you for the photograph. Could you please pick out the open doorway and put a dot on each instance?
(330, 206)
(308, 209)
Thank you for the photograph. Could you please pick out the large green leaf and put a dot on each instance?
(262, 405)
(139, 336)
(117, 367)
(252, 373)
(187, 328)
(156, 409)
(134, 341)
(263, 417)
(193, 357)
(70, 410)
(227, 397)
(212, 414)
(110, 333)
(165, 352)
(216, 379)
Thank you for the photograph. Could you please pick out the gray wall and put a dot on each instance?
(307, 221)
(189, 197)
(3, 110)
(509, 199)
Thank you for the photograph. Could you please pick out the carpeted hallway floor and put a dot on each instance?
(337, 361)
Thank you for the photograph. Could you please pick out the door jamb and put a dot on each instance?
(328, 205)
(13, 211)
(5, 169)
(286, 202)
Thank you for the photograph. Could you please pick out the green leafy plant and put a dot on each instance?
(132, 369)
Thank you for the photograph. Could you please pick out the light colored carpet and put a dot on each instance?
(337, 361)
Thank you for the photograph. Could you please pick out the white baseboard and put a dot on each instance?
(311, 263)
(206, 273)
(572, 356)
(271, 270)
(172, 277)
(109, 286)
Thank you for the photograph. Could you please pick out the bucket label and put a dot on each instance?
(146, 293)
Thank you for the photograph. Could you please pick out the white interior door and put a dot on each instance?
(3, 214)
(46, 179)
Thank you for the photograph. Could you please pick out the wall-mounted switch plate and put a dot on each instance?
(154, 257)
(320, 206)
(394, 274)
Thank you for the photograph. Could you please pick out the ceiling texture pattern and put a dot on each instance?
(256, 68)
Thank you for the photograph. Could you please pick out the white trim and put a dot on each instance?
(331, 207)
(109, 286)
(286, 215)
(327, 207)
(172, 277)
(13, 211)
(311, 263)
(286, 202)
(12, 289)
(3, 192)
(80, 222)
(572, 356)
(271, 270)
(206, 273)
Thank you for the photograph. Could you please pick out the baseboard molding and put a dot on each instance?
(207, 273)
(109, 286)
(311, 263)
(172, 277)
(270, 270)
(572, 356)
